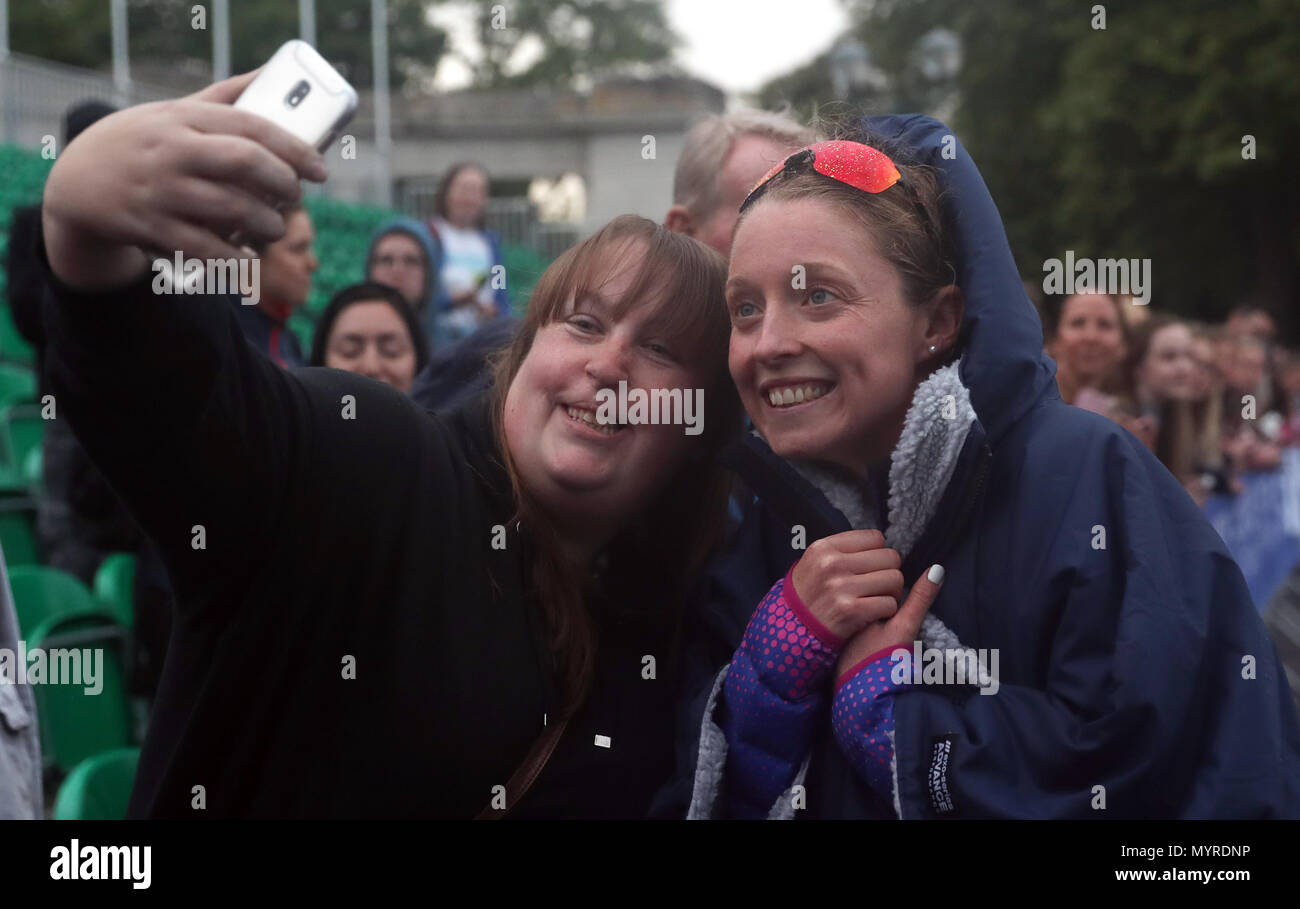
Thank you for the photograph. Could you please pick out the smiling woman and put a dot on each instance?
(847, 404)
(489, 591)
(370, 329)
(907, 419)
(1088, 338)
(634, 304)
(373, 329)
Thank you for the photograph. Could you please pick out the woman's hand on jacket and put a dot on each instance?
(899, 631)
(184, 175)
(849, 580)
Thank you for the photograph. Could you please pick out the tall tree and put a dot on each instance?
(563, 42)
(1164, 134)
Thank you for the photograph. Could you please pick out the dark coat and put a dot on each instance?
(81, 519)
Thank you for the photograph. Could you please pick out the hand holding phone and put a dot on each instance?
(301, 93)
(181, 175)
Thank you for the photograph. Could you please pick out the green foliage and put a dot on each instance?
(576, 39)
(805, 90)
(558, 41)
(1123, 141)
(41, 29)
(78, 32)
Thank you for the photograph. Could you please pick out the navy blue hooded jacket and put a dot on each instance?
(1141, 667)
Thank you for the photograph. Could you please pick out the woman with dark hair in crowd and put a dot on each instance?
(466, 255)
(381, 611)
(370, 329)
(1158, 402)
(1087, 336)
(1084, 655)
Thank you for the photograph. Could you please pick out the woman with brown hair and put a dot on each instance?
(381, 611)
(465, 254)
(1158, 400)
(952, 595)
(1087, 336)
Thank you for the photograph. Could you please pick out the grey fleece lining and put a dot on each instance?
(920, 469)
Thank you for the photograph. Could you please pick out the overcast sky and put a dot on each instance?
(739, 44)
(735, 44)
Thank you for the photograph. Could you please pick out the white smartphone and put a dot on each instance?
(300, 92)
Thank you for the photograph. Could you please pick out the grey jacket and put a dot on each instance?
(20, 747)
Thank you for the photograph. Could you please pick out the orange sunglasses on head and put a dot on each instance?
(853, 163)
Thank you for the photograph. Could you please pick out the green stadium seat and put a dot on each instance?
(42, 593)
(17, 523)
(115, 585)
(76, 724)
(22, 431)
(99, 788)
(17, 384)
(13, 346)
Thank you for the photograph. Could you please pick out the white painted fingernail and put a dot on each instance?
(935, 574)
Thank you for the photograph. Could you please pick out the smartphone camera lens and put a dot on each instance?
(299, 92)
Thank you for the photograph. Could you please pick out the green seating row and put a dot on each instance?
(82, 716)
(42, 593)
(99, 788)
(87, 709)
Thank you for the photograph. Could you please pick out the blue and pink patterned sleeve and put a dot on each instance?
(862, 717)
(773, 694)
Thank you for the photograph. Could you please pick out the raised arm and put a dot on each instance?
(198, 433)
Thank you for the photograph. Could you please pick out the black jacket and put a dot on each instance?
(81, 519)
(314, 520)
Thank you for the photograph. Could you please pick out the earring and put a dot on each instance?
(933, 348)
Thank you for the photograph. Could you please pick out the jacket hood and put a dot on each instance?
(1003, 363)
(421, 233)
